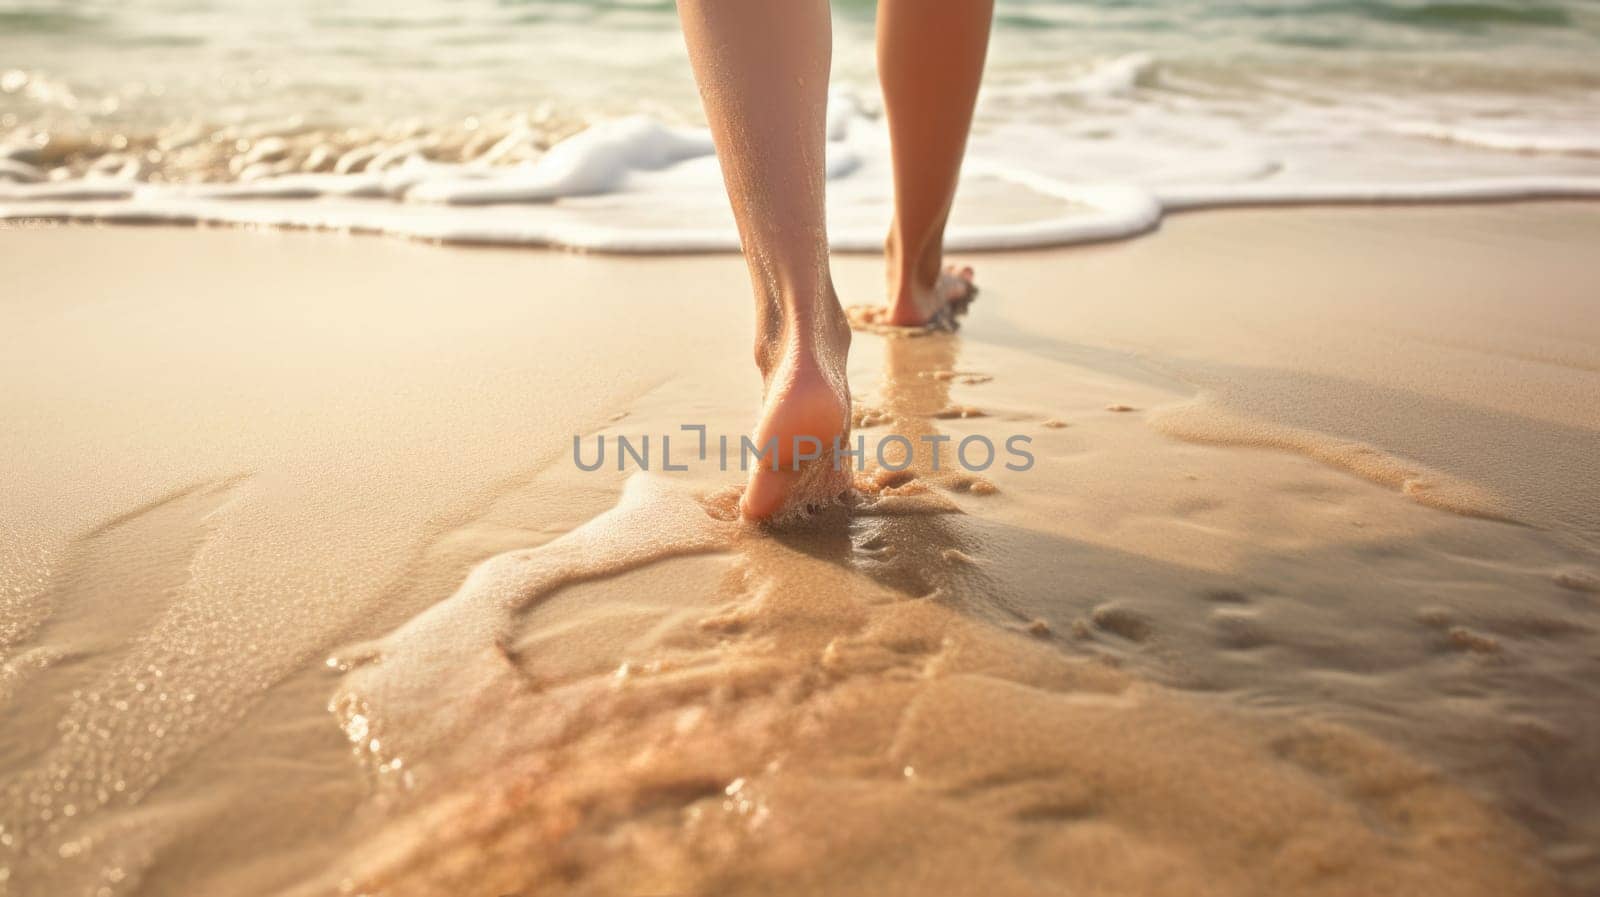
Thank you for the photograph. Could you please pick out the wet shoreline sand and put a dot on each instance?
(1315, 613)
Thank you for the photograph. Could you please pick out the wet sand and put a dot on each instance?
(301, 591)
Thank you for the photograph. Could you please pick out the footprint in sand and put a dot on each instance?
(956, 556)
(959, 412)
(864, 416)
(971, 485)
(965, 378)
(1118, 619)
(874, 319)
(1239, 628)
(1464, 639)
(1579, 581)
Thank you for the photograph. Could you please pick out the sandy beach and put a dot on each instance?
(302, 591)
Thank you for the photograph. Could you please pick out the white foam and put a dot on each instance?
(1576, 144)
(636, 185)
(1201, 196)
(597, 160)
(17, 170)
(1116, 76)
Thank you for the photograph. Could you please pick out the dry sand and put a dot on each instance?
(301, 591)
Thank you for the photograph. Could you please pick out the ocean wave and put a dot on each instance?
(1427, 14)
(637, 185)
(1506, 141)
(1116, 76)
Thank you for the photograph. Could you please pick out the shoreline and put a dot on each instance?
(854, 250)
(376, 205)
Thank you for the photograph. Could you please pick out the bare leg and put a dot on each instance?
(930, 60)
(762, 67)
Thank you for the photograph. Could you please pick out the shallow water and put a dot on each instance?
(1177, 103)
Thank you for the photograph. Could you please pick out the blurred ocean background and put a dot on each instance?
(1155, 93)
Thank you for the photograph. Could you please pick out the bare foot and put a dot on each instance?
(930, 306)
(919, 305)
(807, 406)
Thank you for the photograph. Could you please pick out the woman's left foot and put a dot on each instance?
(806, 413)
(932, 306)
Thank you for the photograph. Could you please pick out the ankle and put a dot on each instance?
(913, 268)
(815, 331)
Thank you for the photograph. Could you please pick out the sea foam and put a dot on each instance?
(638, 185)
